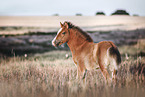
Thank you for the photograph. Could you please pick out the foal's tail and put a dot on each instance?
(116, 60)
(115, 54)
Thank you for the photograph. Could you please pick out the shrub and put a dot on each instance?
(78, 14)
(100, 13)
(120, 12)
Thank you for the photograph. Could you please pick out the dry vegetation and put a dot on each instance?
(26, 24)
(52, 75)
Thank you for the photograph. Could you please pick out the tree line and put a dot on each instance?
(117, 12)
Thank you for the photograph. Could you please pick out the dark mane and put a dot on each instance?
(81, 32)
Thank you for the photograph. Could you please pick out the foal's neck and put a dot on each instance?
(76, 41)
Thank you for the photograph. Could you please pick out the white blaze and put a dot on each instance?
(56, 36)
(59, 31)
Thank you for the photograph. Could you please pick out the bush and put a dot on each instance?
(100, 13)
(120, 12)
(135, 15)
(78, 14)
(56, 14)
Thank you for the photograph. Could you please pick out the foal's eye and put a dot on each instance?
(63, 33)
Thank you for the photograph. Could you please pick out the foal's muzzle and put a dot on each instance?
(55, 43)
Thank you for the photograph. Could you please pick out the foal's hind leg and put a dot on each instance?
(114, 69)
(104, 71)
(114, 74)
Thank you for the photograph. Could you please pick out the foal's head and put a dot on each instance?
(62, 35)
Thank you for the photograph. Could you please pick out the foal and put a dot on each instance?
(86, 54)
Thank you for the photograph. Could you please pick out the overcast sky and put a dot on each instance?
(69, 7)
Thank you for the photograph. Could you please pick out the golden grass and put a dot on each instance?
(51, 23)
(52, 75)
(133, 49)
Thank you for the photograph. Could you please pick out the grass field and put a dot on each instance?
(51, 74)
(31, 67)
(18, 24)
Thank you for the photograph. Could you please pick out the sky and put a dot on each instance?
(69, 7)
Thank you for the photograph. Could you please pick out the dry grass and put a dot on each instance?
(52, 75)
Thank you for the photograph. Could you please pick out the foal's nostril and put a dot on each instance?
(56, 42)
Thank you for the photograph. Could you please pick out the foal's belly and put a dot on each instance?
(90, 64)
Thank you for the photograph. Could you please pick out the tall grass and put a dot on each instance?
(52, 75)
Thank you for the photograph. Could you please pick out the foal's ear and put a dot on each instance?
(67, 25)
(61, 24)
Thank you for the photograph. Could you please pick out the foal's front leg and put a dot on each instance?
(83, 73)
(84, 76)
(78, 73)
